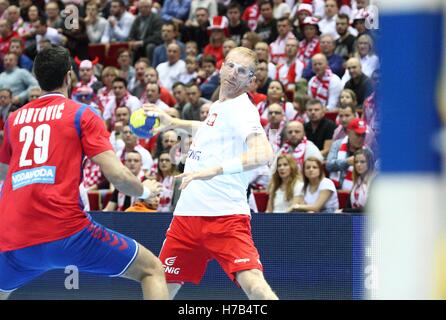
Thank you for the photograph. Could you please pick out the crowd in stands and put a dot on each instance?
(315, 88)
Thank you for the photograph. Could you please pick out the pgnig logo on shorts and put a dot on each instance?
(168, 266)
(46, 174)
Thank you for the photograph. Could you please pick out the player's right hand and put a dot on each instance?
(166, 120)
(154, 186)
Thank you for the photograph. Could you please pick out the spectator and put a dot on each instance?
(191, 110)
(95, 23)
(262, 78)
(192, 49)
(319, 193)
(319, 129)
(276, 94)
(176, 11)
(218, 29)
(166, 176)
(297, 145)
(299, 102)
(366, 54)
(153, 96)
(276, 124)
(298, 15)
(122, 116)
(325, 85)
(119, 23)
(119, 201)
(16, 46)
(281, 9)
(52, 11)
(34, 93)
(250, 39)
(340, 159)
(191, 73)
(262, 51)
(126, 70)
(4, 4)
(345, 42)
(6, 35)
(359, 22)
(277, 48)
(24, 6)
(310, 45)
(209, 5)
(15, 20)
(359, 83)
(75, 33)
(335, 62)
(147, 205)
(237, 27)
(171, 70)
(131, 144)
(145, 33)
(204, 111)
(18, 80)
(180, 94)
(197, 31)
(363, 174)
(211, 77)
(28, 32)
(6, 105)
(267, 25)
(151, 76)
(121, 97)
(327, 25)
(346, 113)
(137, 86)
(86, 76)
(285, 186)
(45, 32)
(251, 14)
(168, 34)
(106, 92)
(290, 71)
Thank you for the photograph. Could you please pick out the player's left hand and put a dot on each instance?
(198, 175)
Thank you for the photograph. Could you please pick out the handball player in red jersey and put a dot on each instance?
(42, 222)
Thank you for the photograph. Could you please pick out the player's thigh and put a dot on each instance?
(145, 264)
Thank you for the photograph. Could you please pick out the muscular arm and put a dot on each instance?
(190, 126)
(119, 175)
(3, 171)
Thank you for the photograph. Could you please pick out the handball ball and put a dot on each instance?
(142, 125)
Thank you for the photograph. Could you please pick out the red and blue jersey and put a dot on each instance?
(44, 144)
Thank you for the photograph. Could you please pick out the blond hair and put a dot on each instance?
(245, 52)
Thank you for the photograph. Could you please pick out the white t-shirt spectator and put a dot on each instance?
(332, 203)
(281, 205)
(170, 73)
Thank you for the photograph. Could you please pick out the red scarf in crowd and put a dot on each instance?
(319, 87)
(298, 152)
(336, 176)
(275, 135)
(308, 49)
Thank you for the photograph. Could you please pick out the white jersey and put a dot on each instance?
(223, 136)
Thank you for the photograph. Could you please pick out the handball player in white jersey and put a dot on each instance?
(212, 216)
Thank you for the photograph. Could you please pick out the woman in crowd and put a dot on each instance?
(166, 176)
(285, 186)
(276, 94)
(319, 193)
(363, 174)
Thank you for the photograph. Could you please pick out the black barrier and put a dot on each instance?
(305, 256)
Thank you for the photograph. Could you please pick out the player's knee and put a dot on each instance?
(151, 266)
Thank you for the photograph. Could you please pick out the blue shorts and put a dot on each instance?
(94, 249)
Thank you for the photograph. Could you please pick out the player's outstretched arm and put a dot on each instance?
(259, 153)
(168, 122)
(122, 178)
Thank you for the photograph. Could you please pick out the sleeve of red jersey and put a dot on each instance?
(94, 136)
(5, 148)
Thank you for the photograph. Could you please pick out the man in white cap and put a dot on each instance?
(86, 76)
